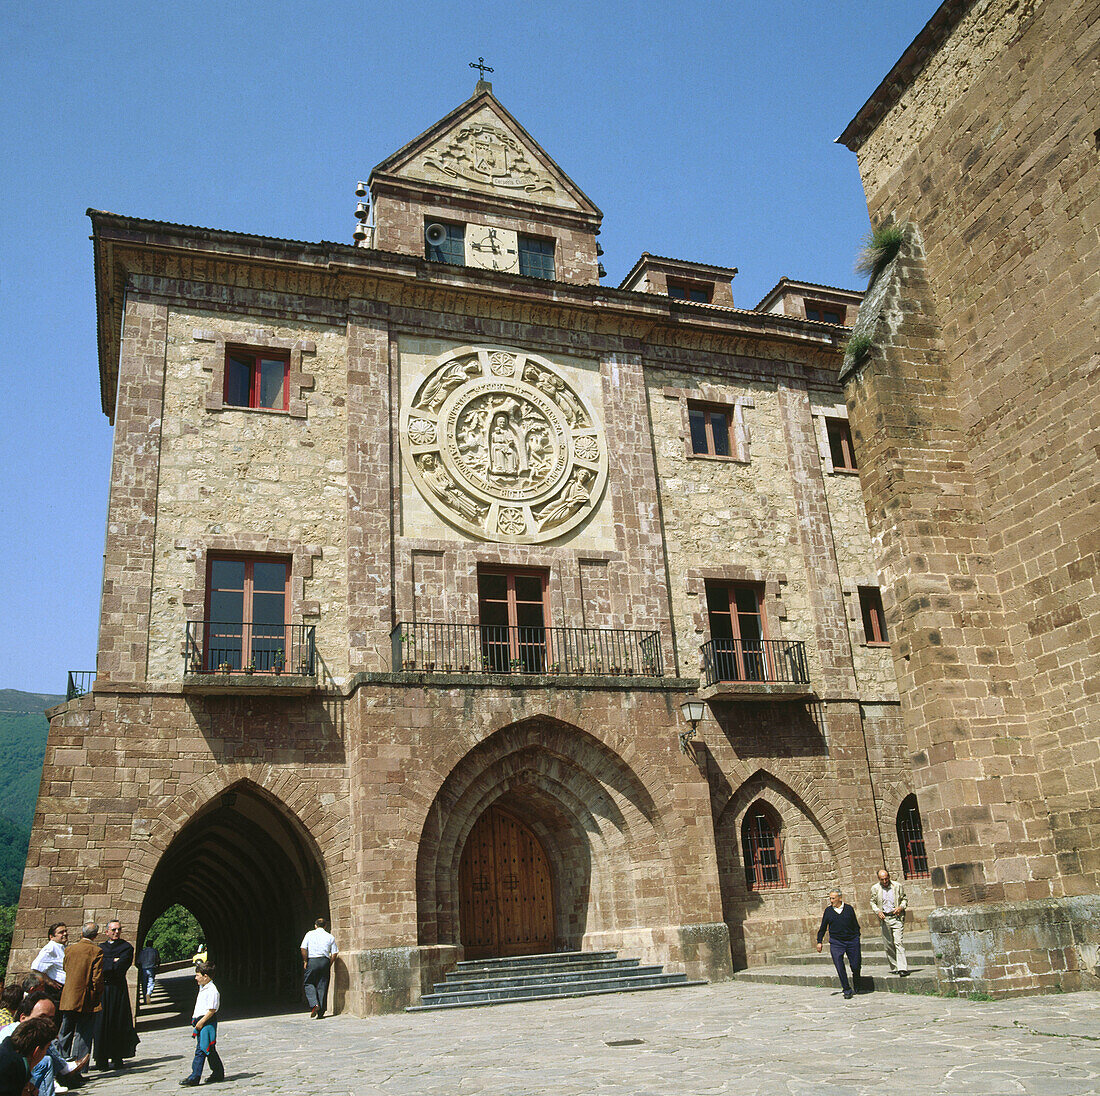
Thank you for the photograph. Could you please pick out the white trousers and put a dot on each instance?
(891, 937)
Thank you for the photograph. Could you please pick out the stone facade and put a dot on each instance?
(349, 785)
(975, 421)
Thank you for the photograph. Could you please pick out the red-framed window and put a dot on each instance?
(689, 291)
(874, 619)
(827, 313)
(840, 445)
(762, 848)
(257, 378)
(710, 429)
(914, 859)
(247, 613)
(738, 630)
(513, 617)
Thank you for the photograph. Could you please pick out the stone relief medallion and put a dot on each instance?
(483, 153)
(500, 444)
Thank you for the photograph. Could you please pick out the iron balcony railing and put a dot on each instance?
(80, 682)
(504, 649)
(764, 660)
(218, 646)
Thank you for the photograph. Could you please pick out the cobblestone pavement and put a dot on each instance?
(742, 1039)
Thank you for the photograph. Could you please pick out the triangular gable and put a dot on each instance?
(480, 147)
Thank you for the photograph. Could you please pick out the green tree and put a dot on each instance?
(7, 924)
(175, 934)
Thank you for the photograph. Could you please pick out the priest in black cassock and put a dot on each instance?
(115, 1038)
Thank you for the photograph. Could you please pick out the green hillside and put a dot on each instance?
(23, 731)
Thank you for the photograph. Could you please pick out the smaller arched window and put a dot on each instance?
(914, 859)
(762, 849)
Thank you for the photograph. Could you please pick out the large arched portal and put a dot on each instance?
(506, 895)
(252, 875)
(545, 800)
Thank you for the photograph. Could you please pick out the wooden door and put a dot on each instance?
(506, 899)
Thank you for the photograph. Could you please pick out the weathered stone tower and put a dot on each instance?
(977, 426)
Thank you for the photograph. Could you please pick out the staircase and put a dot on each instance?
(543, 978)
(810, 969)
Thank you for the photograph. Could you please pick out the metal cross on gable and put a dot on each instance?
(482, 67)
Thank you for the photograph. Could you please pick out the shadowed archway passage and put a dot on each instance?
(251, 873)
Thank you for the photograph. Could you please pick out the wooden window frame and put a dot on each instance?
(256, 354)
(752, 846)
(838, 436)
(519, 649)
(685, 288)
(741, 656)
(527, 238)
(708, 410)
(249, 559)
(821, 307)
(875, 632)
(914, 864)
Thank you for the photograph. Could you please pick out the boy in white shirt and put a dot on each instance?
(204, 1028)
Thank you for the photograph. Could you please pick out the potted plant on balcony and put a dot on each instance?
(516, 665)
(279, 662)
(555, 667)
(223, 667)
(251, 667)
(408, 657)
(486, 665)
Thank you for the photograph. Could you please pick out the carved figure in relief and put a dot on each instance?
(504, 459)
(556, 390)
(445, 488)
(446, 381)
(539, 453)
(565, 506)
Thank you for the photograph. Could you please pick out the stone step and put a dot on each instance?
(547, 959)
(874, 977)
(510, 970)
(581, 988)
(612, 969)
(921, 957)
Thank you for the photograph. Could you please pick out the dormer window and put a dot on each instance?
(689, 291)
(446, 247)
(823, 313)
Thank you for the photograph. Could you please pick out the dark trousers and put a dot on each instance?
(316, 983)
(77, 1030)
(838, 949)
(206, 1051)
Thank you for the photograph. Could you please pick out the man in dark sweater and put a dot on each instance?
(840, 920)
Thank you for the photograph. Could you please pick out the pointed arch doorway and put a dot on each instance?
(506, 896)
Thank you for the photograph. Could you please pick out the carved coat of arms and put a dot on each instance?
(486, 154)
(500, 444)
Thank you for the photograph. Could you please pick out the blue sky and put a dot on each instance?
(702, 130)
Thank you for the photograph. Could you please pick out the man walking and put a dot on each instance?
(116, 1039)
(318, 948)
(839, 919)
(148, 961)
(889, 902)
(81, 994)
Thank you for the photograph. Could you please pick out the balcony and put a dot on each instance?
(755, 669)
(80, 683)
(499, 649)
(227, 657)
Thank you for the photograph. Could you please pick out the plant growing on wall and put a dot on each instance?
(879, 247)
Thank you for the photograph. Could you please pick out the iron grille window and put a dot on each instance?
(452, 249)
(762, 849)
(536, 257)
(914, 859)
(256, 379)
(840, 445)
(874, 619)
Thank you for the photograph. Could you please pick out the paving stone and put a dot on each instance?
(752, 1040)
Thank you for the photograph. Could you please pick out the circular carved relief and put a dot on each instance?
(500, 444)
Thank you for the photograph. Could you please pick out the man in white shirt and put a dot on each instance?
(318, 948)
(889, 902)
(51, 959)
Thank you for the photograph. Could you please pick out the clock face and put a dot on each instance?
(492, 248)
